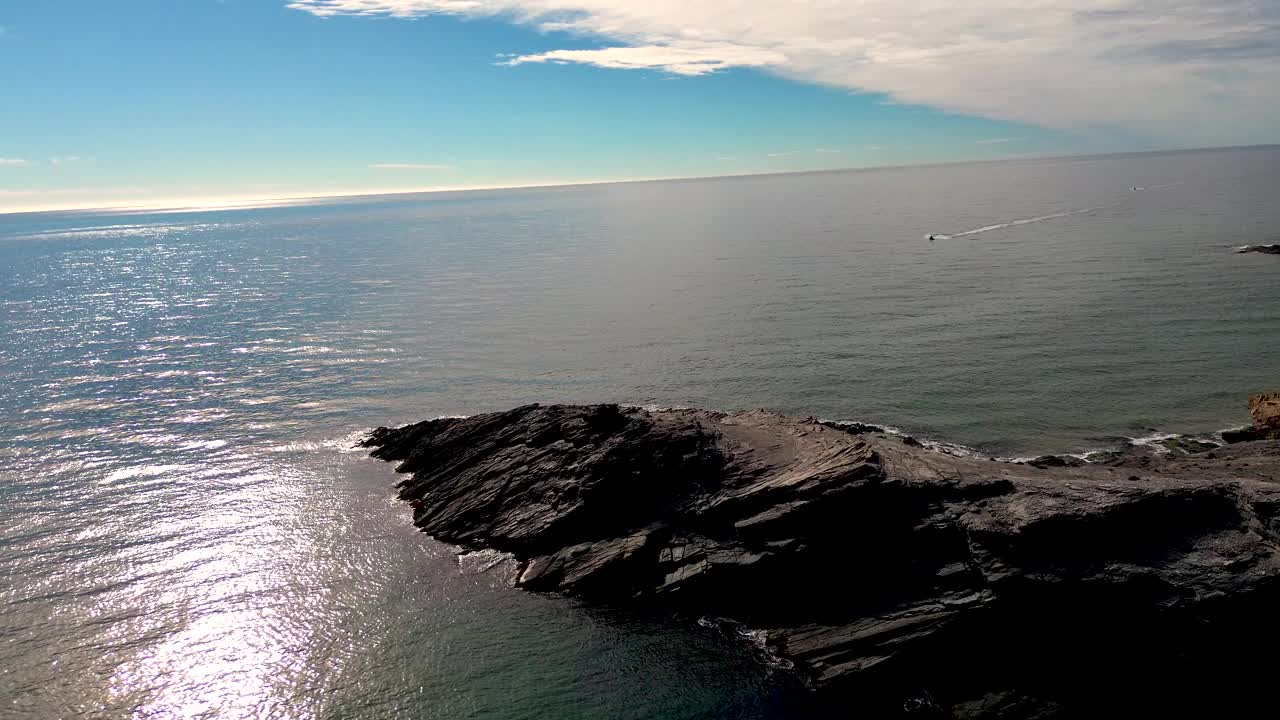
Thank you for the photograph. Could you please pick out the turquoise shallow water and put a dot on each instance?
(187, 533)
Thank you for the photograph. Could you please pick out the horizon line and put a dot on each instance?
(231, 202)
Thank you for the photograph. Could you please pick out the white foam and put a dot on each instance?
(758, 640)
(346, 443)
(654, 408)
(953, 449)
(935, 445)
(477, 562)
(1154, 441)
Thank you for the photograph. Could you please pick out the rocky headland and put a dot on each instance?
(898, 580)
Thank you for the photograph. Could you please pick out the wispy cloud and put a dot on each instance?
(725, 157)
(677, 58)
(64, 159)
(410, 166)
(827, 150)
(873, 148)
(786, 153)
(12, 161)
(1184, 69)
(999, 140)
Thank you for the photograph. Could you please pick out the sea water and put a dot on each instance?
(186, 531)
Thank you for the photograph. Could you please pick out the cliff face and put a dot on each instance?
(1265, 411)
(898, 579)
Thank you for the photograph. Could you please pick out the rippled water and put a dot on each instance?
(187, 533)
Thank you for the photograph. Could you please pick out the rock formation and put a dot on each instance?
(1273, 249)
(897, 579)
(1265, 411)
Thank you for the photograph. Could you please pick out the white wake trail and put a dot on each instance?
(1024, 221)
(1040, 218)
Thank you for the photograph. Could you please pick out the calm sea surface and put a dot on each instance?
(186, 533)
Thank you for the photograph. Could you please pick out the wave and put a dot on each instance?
(1152, 443)
(478, 562)
(941, 446)
(756, 642)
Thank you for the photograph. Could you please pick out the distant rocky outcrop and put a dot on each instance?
(1272, 249)
(1265, 411)
(899, 580)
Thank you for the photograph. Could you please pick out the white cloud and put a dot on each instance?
(999, 140)
(1175, 69)
(63, 160)
(410, 166)
(12, 161)
(787, 153)
(827, 150)
(682, 59)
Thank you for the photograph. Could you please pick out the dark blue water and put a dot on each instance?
(185, 531)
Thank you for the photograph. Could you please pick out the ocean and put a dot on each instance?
(187, 532)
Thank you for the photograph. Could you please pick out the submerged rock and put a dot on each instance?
(899, 580)
(1272, 249)
(1048, 461)
(853, 428)
(1189, 445)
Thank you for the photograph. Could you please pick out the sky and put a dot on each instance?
(133, 102)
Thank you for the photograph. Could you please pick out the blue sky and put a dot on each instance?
(133, 101)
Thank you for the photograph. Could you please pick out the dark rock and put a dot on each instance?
(1048, 461)
(1240, 435)
(896, 578)
(1273, 249)
(854, 428)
